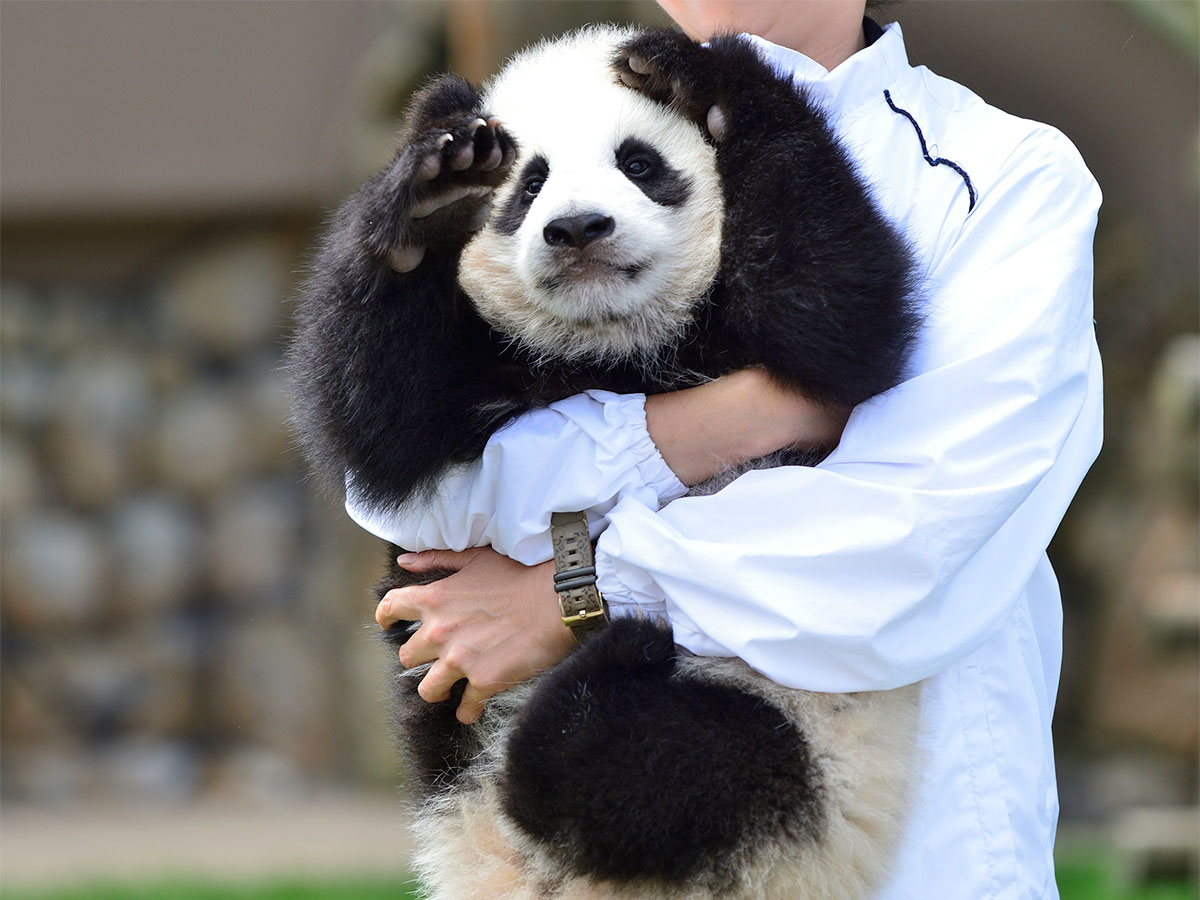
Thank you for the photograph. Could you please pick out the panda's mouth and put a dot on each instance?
(587, 270)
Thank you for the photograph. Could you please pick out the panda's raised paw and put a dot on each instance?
(438, 191)
(479, 146)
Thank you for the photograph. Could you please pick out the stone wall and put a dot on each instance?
(180, 612)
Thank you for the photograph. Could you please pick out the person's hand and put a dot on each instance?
(702, 431)
(494, 622)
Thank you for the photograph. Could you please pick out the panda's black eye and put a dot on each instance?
(526, 186)
(638, 167)
(651, 174)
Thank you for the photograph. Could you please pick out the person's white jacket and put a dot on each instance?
(917, 549)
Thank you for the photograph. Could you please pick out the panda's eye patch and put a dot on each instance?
(645, 167)
(521, 196)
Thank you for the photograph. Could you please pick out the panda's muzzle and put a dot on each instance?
(579, 230)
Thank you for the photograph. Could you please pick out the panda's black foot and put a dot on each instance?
(626, 769)
(438, 190)
(672, 69)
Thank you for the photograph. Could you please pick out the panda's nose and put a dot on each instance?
(578, 231)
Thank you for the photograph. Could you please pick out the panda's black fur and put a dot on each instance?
(671, 726)
(630, 764)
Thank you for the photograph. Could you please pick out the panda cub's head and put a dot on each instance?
(607, 234)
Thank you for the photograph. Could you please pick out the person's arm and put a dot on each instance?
(908, 547)
(593, 450)
(496, 621)
(702, 431)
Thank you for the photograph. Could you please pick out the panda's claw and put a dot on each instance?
(487, 150)
(671, 69)
(439, 191)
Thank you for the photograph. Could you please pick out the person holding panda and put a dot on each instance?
(934, 511)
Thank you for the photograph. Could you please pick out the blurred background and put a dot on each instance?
(188, 679)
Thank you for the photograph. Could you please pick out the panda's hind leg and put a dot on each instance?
(628, 771)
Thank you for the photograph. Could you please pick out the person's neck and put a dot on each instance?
(837, 52)
(826, 31)
(830, 46)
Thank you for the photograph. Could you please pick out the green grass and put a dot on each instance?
(1088, 878)
(350, 889)
(1078, 879)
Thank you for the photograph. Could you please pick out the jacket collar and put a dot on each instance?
(861, 78)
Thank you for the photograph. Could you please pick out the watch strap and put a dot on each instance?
(583, 608)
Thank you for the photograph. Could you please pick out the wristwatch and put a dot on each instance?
(583, 609)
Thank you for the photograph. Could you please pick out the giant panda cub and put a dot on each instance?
(627, 210)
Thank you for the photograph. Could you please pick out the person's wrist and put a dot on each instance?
(560, 634)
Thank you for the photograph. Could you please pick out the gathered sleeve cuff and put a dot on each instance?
(587, 452)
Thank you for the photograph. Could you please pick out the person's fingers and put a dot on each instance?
(397, 605)
(428, 560)
(470, 708)
(425, 645)
(435, 686)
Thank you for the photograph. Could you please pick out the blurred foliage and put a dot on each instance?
(1179, 20)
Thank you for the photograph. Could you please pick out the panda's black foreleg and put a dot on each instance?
(393, 372)
(816, 285)
(626, 769)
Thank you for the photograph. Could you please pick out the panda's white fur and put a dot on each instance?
(563, 101)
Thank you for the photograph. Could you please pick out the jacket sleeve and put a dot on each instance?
(910, 545)
(587, 452)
